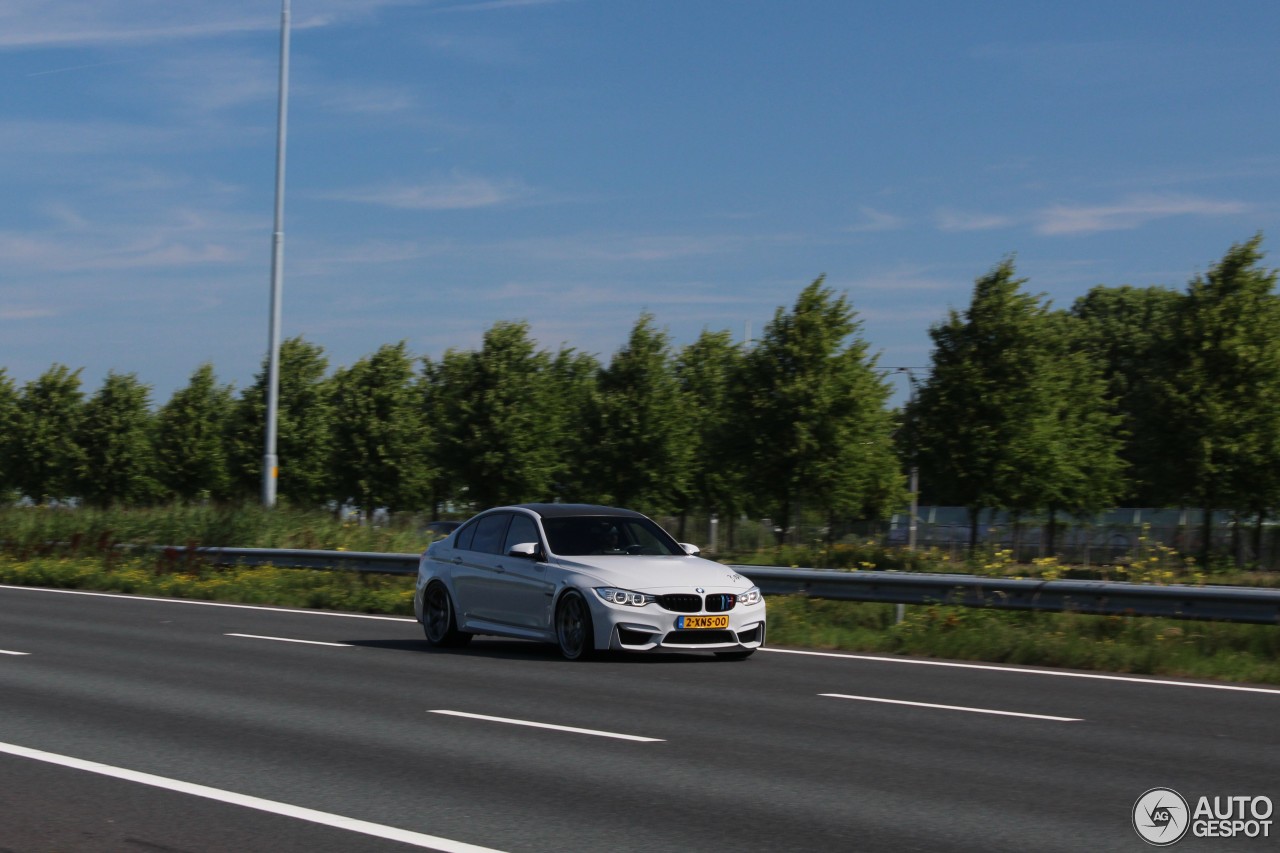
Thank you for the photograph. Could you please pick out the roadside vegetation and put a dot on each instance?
(89, 530)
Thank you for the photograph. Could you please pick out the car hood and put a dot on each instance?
(657, 574)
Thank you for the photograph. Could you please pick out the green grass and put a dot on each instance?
(308, 588)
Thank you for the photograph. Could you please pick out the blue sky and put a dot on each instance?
(573, 163)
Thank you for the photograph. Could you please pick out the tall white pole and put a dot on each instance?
(270, 463)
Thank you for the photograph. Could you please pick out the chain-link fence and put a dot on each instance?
(1117, 536)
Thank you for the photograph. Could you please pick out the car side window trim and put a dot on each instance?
(522, 529)
(462, 539)
(491, 532)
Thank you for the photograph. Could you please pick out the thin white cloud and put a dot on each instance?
(61, 254)
(368, 100)
(108, 34)
(1129, 213)
(952, 220)
(26, 313)
(876, 220)
(172, 238)
(322, 259)
(28, 24)
(629, 247)
(204, 81)
(484, 50)
(557, 296)
(70, 68)
(491, 5)
(457, 192)
(48, 138)
(913, 279)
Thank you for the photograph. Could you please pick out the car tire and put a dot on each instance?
(740, 655)
(574, 632)
(438, 620)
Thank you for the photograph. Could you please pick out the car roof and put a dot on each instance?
(567, 510)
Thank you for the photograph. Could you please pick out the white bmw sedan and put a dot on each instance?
(587, 578)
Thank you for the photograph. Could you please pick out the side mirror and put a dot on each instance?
(525, 550)
(691, 550)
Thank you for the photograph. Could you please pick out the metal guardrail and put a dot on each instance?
(1209, 603)
(293, 558)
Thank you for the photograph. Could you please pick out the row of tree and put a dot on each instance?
(801, 419)
(1153, 396)
(1147, 396)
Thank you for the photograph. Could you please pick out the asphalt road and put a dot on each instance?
(132, 724)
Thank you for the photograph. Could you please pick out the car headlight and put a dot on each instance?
(751, 596)
(624, 596)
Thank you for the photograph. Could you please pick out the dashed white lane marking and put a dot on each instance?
(289, 640)
(364, 827)
(571, 729)
(16, 654)
(953, 708)
(1097, 676)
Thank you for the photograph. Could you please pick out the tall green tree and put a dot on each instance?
(1222, 395)
(190, 439)
(302, 428)
(117, 465)
(499, 416)
(574, 379)
(641, 454)
(379, 446)
(813, 419)
(1011, 417)
(50, 410)
(8, 435)
(1128, 331)
(1077, 440)
(706, 371)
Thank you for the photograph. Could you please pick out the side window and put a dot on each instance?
(522, 529)
(462, 539)
(490, 532)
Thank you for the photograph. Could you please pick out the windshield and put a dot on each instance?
(579, 536)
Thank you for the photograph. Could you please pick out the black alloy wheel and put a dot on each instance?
(438, 621)
(573, 627)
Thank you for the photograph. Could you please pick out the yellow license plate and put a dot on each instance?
(688, 622)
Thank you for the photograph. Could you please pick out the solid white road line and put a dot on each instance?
(197, 602)
(289, 640)
(549, 726)
(17, 654)
(417, 839)
(1026, 671)
(953, 708)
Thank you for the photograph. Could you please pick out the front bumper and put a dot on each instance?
(652, 629)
